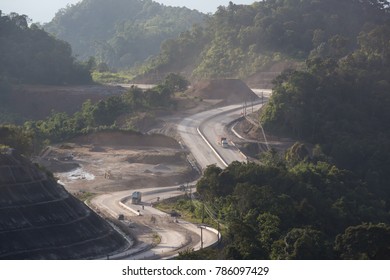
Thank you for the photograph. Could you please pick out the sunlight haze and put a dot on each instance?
(44, 10)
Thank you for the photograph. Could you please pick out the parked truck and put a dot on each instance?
(223, 142)
(136, 197)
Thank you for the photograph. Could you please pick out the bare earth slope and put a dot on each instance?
(36, 102)
(39, 219)
(229, 91)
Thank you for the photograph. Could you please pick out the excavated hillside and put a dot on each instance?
(39, 219)
(228, 91)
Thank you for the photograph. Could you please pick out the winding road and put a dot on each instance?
(201, 131)
(199, 135)
(175, 234)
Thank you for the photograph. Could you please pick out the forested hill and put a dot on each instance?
(120, 32)
(240, 40)
(28, 54)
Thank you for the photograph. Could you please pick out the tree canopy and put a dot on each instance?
(341, 104)
(239, 40)
(120, 33)
(30, 55)
(286, 209)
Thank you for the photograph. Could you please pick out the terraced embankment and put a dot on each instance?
(39, 219)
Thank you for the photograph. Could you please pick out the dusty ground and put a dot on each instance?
(113, 161)
(105, 162)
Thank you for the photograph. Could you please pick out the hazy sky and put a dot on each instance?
(44, 10)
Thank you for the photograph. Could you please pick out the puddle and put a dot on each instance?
(79, 174)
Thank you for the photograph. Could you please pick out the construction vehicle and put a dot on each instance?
(223, 142)
(136, 197)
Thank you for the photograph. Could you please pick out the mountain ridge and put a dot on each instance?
(120, 32)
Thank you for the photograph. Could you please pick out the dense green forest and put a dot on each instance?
(294, 209)
(28, 54)
(332, 201)
(326, 202)
(240, 40)
(343, 105)
(120, 33)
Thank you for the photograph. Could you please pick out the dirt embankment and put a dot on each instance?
(228, 91)
(126, 139)
(113, 161)
(263, 79)
(36, 102)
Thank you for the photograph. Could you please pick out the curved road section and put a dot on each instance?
(172, 234)
(161, 236)
(201, 133)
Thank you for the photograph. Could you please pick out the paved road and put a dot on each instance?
(175, 235)
(199, 134)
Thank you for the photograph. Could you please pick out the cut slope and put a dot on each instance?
(39, 219)
(229, 91)
(36, 102)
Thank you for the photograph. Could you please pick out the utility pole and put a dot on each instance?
(218, 232)
(201, 237)
(203, 213)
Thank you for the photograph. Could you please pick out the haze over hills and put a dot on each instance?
(241, 40)
(120, 32)
(325, 197)
(35, 11)
(30, 55)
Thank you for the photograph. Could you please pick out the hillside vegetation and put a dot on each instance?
(30, 55)
(343, 105)
(240, 40)
(120, 33)
(331, 201)
(295, 210)
(327, 202)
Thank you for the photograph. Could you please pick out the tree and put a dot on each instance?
(365, 241)
(175, 82)
(302, 244)
(30, 55)
(120, 33)
(269, 231)
(16, 137)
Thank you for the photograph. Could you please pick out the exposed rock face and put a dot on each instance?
(39, 219)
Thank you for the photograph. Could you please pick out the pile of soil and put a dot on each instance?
(229, 91)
